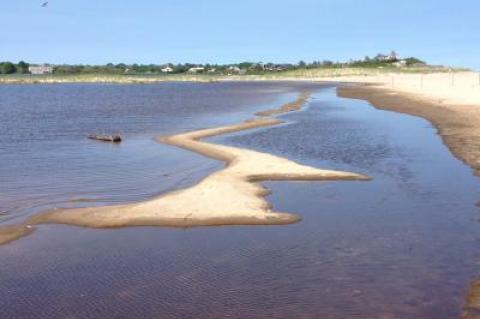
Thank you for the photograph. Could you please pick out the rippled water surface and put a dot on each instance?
(46, 160)
(404, 245)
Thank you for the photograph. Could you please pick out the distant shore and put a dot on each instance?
(299, 74)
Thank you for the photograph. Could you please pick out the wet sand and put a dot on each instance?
(232, 196)
(457, 124)
(14, 232)
(289, 107)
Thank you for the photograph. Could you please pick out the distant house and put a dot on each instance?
(167, 69)
(40, 69)
(400, 64)
(381, 57)
(196, 70)
(278, 67)
(235, 70)
(392, 57)
(260, 66)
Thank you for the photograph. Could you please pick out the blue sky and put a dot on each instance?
(222, 31)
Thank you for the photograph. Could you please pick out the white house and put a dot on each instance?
(400, 64)
(196, 70)
(235, 70)
(40, 69)
(167, 69)
(392, 57)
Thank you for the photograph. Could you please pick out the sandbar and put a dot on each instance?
(233, 195)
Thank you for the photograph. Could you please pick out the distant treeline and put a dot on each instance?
(10, 68)
(238, 68)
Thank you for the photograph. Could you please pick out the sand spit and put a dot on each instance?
(472, 307)
(289, 107)
(13, 232)
(231, 196)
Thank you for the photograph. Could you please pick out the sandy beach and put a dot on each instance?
(457, 124)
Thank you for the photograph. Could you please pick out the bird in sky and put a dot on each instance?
(45, 4)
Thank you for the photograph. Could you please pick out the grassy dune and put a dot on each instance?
(153, 78)
(103, 78)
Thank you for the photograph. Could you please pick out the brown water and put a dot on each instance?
(401, 246)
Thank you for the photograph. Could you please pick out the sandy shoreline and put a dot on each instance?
(458, 125)
(231, 196)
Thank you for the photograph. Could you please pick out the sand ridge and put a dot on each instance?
(13, 232)
(288, 107)
(231, 196)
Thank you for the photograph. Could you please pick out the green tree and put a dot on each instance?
(22, 67)
(413, 60)
(7, 68)
(245, 65)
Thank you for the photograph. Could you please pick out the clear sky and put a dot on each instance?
(223, 31)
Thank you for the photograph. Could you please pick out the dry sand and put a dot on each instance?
(231, 196)
(446, 88)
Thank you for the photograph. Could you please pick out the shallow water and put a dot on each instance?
(47, 161)
(401, 246)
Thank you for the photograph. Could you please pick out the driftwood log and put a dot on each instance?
(106, 138)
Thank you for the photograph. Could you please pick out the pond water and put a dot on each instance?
(404, 245)
(47, 161)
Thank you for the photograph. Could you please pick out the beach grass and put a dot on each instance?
(317, 73)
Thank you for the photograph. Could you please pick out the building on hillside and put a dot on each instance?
(40, 69)
(392, 57)
(235, 70)
(167, 69)
(278, 67)
(260, 66)
(400, 64)
(196, 70)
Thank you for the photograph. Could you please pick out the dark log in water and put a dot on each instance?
(106, 138)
